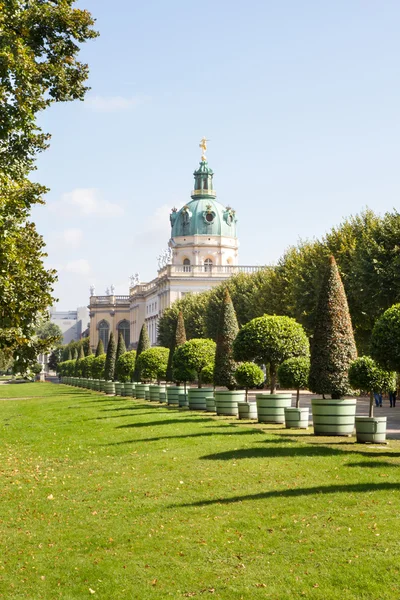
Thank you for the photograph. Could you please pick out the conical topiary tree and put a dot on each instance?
(333, 347)
(109, 367)
(81, 353)
(179, 339)
(121, 347)
(143, 344)
(100, 348)
(228, 328)
(69, 354)
(89, 350)
(74, 354)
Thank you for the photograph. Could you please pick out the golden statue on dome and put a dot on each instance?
(203, 146)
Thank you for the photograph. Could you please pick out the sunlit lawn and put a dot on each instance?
(114, 498)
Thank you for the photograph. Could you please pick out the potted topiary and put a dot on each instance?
(124, 369)
(98, 371)
(365, 374)
(176, 395)
(152, 365)
(143, 344)
(270, 340)
(248, 375)
(197, 355)
(333, 349)
(121, 349)
(293, 373)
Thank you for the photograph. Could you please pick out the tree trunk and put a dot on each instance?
(272, 373)
(298, 399)
(247, 391)
(371, 404)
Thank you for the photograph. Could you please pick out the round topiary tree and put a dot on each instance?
(293, 373)
(87, 366)
(270, 340)
(228, 328)
(333, 347)
(125, 366)
(143, 344)
(385, 339)
(365, 374)
(109, 368)
(196, 355)
(152, 363)
(249, 375)
(98, 366)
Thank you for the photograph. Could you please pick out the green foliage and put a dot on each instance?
(109, 368)
(143, 344)
(152, 363)
(36, 368)
(196, 355)
(69, 355)
(180, 338)
(125, 366)
(333, 347)
(121, 348)
(86, 366)
(385, 340)
(100, 348)
(98, 366)
(228, 329)
(193, 307)
(180, 371)
(270, 340)
(249, 375)
(293, 373)
(75, 354)
(366, 375)
(55, 358)
(81, 353)
(89, 351)
(49, 331)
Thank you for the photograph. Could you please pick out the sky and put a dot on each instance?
(300, 102)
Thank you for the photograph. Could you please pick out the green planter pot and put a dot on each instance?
(96, 385)
(371, 430)
(163, 396)
(118, 388)
(109, 388)
(140, 390)
(226, 402)
(154, 391)
(247, 410)
(184, 401)
(147, 394)
(197, 397)
(89, 384)
(271, 407)
(128, 388)
(296, 418)
(174, 393)
(210, 404)
(102, 384)
(334, 417)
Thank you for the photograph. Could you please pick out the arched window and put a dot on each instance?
(104, 333)
(125, 329)
(208, 263)
(186, 265)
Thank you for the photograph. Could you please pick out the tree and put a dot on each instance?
(125, 366)
(109, 367)
(55, 358)
(81, 353)
(333, 347)
(249, 375)
(49, 331)
(293, 373)
(270, 340)
(39, 66)
(100, 348)
(228, 329)
(87, 364)
(385, 340)
(366, 375)
(180, 338)
(196, 355)
(193, 307)
(152, 363)
(75, 354)
(89, 349)
(121, 349)
(143, 344)
(69, 357)
(98, 366)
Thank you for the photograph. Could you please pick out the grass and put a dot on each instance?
(118, 499)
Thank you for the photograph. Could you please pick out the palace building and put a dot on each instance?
(202, 252)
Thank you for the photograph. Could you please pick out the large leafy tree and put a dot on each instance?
(333, 347)
(193, 307)
(39, 45)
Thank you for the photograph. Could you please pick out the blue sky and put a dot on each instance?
(300, 101)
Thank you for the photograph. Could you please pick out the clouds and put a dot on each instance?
(85, 202)
(80, 266)
(107, 104)
(72, 237)
(157, 227)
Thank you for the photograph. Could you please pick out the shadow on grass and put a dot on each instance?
(355, 488)
(166, 422)
(379, 464)
(178, 437)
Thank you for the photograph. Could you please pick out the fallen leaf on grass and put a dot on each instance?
(91, 591)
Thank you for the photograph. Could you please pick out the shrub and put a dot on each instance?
(249, 375)
(98, 366)
(197, 355)
(333, 347)
(125, 366)
(152, 363)
(293, 373)
(385, 340)
(228, 329)
(365, 374)
(87, 363)
(270, 340)
(109, 368)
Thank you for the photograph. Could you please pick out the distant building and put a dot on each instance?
(202, 253)
(73, 323)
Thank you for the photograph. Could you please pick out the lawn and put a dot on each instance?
(115, 499)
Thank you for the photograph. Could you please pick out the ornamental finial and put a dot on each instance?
(203, 146)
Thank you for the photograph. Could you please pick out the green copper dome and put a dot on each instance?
(203, 215)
